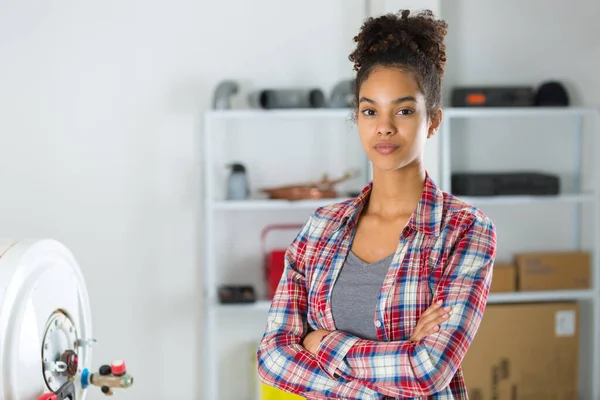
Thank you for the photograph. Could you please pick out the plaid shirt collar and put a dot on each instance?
(427, 217)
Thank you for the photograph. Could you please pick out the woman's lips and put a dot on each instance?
(386, 148)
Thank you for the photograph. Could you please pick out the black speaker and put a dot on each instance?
(551, 94)
(493, 96)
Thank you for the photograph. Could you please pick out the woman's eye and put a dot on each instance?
(405, 111)
(368, 112)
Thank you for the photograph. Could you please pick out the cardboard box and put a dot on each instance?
(553, 271)
(504, 278)
(525, 352)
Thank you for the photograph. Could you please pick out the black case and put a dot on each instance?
(497, 184)
(509, 96)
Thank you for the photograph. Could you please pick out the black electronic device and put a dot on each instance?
(551, 94)
(236, 294)
(505, 183)
(491, 96)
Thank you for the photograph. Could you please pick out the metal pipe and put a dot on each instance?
(223, 93)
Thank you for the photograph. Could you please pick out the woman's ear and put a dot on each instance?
(435, 120)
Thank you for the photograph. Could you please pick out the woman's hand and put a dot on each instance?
(312, 340)
(430, 321)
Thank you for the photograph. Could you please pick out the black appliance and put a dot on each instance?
(505, 183)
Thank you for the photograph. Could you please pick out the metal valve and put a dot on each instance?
(108, 377)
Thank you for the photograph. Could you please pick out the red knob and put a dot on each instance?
(48, 396)
(118, 367)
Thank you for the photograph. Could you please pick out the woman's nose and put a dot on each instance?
(386, 128)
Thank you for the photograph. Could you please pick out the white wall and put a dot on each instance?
(100, 111)
(100, 114)
(525, 42)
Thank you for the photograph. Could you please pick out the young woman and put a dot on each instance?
(382, 294)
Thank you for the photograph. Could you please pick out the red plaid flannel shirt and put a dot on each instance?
(446, 252)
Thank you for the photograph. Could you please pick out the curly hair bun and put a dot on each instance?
(391, 38)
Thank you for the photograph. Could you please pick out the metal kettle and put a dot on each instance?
(237, 183)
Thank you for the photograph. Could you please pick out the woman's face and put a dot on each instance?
(392, 119)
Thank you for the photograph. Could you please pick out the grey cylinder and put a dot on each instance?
(287, 98)
(342, 95)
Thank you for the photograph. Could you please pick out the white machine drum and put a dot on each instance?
(45, 320)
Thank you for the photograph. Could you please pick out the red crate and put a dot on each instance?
(274, 259)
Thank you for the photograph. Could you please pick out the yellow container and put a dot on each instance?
(271, 393)
(262, 391)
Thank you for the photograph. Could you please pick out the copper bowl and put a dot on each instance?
(300, 193)
(322, 189)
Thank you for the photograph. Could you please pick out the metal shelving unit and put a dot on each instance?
(214, 208)
(572, 203)
(494, 298)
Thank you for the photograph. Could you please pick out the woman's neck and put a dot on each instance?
(397, 192)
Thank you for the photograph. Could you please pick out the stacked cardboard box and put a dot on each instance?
(542, 271)
(529, 351)
(504, 278)
(553, 271)
(525, 352)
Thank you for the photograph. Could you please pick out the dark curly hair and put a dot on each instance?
(414, 43)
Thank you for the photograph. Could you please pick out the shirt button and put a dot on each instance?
(378, 323)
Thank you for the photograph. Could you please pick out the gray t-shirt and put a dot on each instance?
(355, 293)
